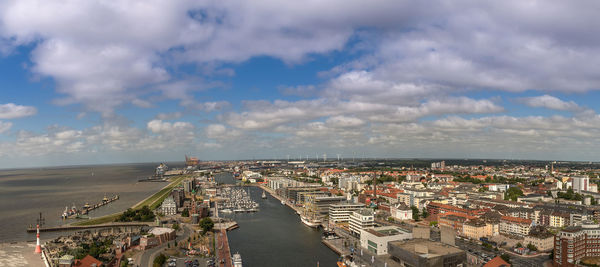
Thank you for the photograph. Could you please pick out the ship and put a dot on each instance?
(237, 260)
(264, 195)
(310, 222)
(283, 202)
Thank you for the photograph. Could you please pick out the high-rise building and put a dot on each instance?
(576, 242)
(581, 183)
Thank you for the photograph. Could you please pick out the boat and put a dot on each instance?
(226, 211)
(310, 222)
(283, 202)
(264, 195)
(237, 260)
(86, 206)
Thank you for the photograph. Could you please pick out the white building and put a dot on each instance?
(339, 213)
(401, 212)
(581, 183)
(168, 207)
(361, 219)
(376, 239)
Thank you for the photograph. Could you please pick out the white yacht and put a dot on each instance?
(237, 260)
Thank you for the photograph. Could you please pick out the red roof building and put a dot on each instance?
(497, 262)
(88, 261)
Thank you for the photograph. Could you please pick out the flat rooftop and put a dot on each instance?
(425, 248)
(387, 231)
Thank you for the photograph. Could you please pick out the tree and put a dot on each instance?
(531, 247)
(513, 193)
(185, 213)
(424, 214)
(160, 260)
(124, 262)
(415, 213)
(505, 257)
(519, 245)
(175, 226)
(206, 224)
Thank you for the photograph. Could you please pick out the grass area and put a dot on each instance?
(99, 220)
(153, 202)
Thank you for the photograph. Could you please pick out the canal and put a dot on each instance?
(275, 236)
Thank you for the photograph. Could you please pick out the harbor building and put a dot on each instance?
(168, 207)
(320, 204)
(576, 242)
(340, 213)
(426, 253)
(376, 239)
(361, 219)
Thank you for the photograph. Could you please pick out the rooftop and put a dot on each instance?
(387, 231)
(419, 246)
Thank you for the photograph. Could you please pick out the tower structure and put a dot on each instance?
(38, 246)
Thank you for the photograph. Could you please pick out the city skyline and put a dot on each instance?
(102, 82)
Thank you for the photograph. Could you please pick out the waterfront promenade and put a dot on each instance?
(223, 250)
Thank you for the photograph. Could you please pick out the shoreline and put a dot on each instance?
(110, 217)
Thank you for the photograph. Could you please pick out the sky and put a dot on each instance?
(86, 82)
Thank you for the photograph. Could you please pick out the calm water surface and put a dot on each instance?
(26, 192)
(275, 236)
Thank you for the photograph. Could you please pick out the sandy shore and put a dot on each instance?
(19, 254)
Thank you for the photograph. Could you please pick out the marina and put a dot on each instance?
(275, 236)
(236, 200)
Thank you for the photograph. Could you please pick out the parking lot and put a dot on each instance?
(187, 262)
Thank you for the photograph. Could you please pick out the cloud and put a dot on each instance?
(550, 102)
(158, 126)
(169, 116)
(5, 126)
(301, 90)
(13, 111)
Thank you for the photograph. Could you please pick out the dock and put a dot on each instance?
(104, 202)
(86, 210)
(32, 229)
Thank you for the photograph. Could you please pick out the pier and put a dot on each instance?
(76, 227)
(85, 210)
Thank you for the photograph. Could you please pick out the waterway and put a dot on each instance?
(26, 192)
(275, 236)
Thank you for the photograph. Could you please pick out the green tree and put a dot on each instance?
(159, 260)
(185, 213)
(124, 262)
(513, 193)
(206, 224)
(175, 226)
(531, 247)
(519, 245)
(415, 213)
(424, 214)
(505, 257)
